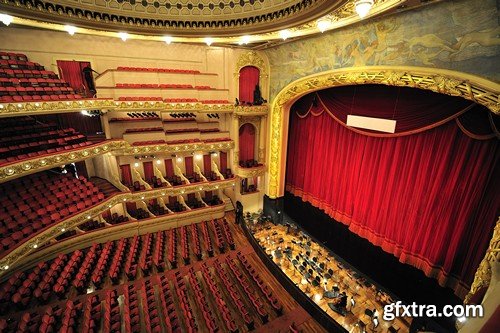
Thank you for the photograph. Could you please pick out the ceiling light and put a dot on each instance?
(363, 7)
(323, 25)
(208, 41)
(6, 19)
(284, 34)
(244, 40)
(123, 35)
(167, 39)
(70, 29)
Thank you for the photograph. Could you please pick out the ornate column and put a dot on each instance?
(236, 138)
(262, 140)
(483, 273)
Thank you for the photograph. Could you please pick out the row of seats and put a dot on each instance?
(33, 139)
(261, 284)
(171, 100)
(182, 296)
(13, 56)
(34, 202)
(144, 129)
(160, 70)
(155, 86)
(25, 81)
(27, 73)
(32, 82)
(19, 64)
(202, 302)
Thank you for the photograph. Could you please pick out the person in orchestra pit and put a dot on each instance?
(343, 301)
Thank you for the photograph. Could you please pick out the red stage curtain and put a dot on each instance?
(71, 72)
(148, 171)
(223, 162)
(247, 142)
(249, 78)
(207, 163)
(431, 198)
(126, 175)
(414, 110)
(169, 168)
(188, 161)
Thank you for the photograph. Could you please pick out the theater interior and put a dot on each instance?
(249, 166)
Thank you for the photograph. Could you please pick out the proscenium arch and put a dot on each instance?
(448, 82)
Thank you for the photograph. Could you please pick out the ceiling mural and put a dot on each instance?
(452, 35)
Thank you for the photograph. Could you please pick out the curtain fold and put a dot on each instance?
(188, 161)
(71, 72)
(247, 142)
(148, 171)
(126, 174)
(249, 78)
(428, 198)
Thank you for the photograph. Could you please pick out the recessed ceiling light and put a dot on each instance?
(208, 41)
(323, 25)
(363, 7)
(123, 36)
(6, 19)
(167, 39)
(244, 40)
(284, 34)
(70, 29)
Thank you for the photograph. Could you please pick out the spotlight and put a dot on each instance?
(208, 41)
(70, 29)
(363, 7)
(284, 34)
(6, 19)
(323, 25)
(244, 40)
(123, 36)
(167, 39)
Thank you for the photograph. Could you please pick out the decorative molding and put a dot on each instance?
(250, 172)
(36, 164)
(251, 58)
(177, 148)
(256, 110)
(442, 81)
(23, 249)
(482, 277)
(117, 147)
(34, 108)
(37, 108)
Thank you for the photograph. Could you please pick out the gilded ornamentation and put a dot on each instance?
(250, 172)
(32, 108)
(448, 82)
(118, 147)
(177, 148)
(482, 277)
(24, 249)
(251, 58)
